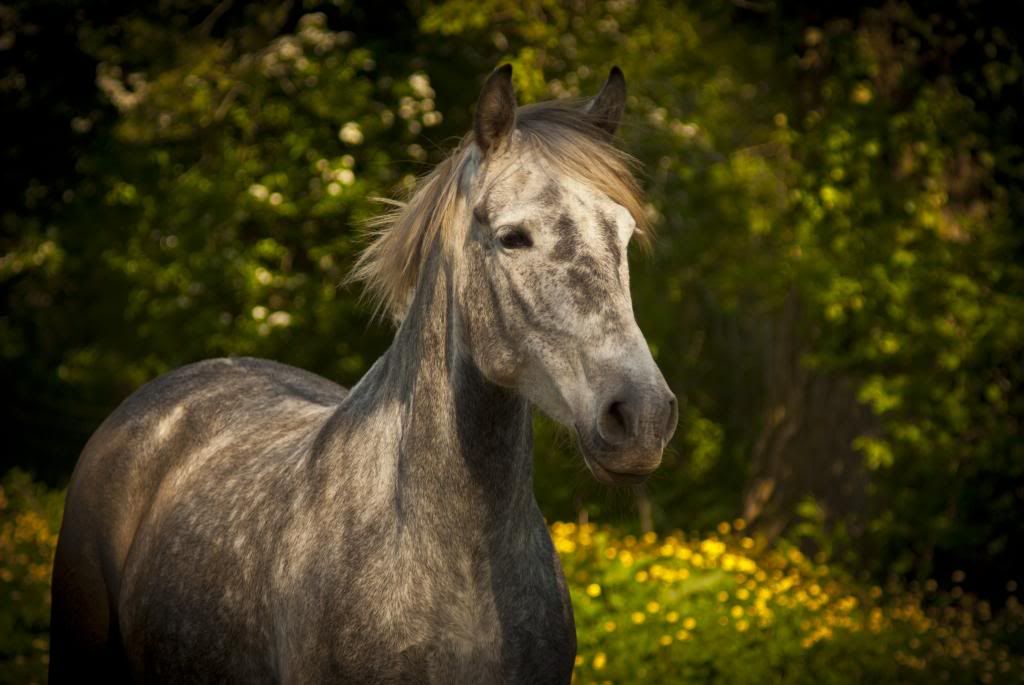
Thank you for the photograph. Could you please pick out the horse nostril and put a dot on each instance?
(617, 424)
(673, 418)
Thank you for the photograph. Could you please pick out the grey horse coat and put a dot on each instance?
(240, 520)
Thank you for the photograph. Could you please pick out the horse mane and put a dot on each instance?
(402, 237)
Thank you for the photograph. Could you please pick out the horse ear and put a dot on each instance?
(606, 108)
(495, 110)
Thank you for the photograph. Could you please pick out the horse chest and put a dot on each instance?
(455, 623)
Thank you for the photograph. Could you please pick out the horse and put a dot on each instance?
(240, 520)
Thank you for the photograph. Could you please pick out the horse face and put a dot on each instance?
(547, 308)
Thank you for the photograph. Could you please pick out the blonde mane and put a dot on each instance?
(559, 131)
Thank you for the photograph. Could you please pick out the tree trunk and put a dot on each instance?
(805, 446)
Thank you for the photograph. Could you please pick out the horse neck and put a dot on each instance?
(464, 459)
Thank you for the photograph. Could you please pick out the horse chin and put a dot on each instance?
(613, 468)
(610, 477)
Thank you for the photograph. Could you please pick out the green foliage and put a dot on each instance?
(196, 190)
(903, 239)
(29, 521)
(239, 173)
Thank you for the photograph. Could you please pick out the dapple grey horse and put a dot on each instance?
(239, 520)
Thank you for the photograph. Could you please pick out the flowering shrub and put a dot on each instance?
(718, 609)
(648, 610)
(29, 521)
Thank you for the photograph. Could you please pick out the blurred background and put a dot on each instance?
(836, 291)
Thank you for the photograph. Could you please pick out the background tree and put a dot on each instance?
(835, 292)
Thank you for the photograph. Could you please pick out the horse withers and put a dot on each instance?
(239, 520)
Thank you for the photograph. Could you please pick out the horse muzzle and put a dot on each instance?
(623, 444)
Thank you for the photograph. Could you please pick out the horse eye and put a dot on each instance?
(514, 238)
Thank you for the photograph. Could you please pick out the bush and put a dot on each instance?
(718, 609)
(29, 520)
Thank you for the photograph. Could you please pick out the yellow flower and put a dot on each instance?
(712, 548)
(682, 635)
(641, 576)
(653, 607)
(638, 617)
(600, 659)
(723, 596)
(672, 616)
(690, 623)
(565, 546)
(724, 527)
(665, 640)
(609, 626)
(742, 626)
(594, 590)
(736, 611)
(847, 604)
